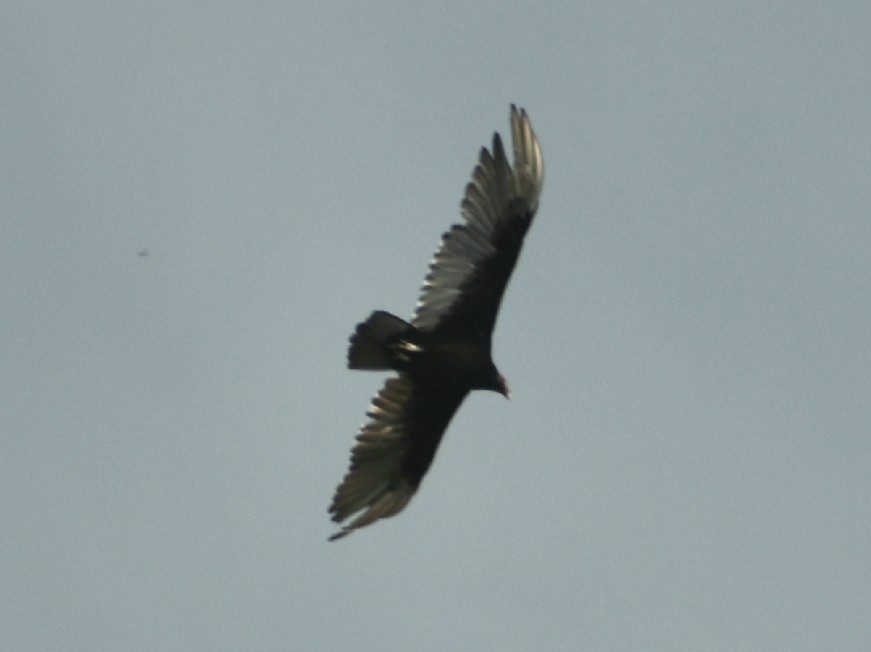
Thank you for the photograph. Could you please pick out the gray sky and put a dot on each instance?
(686, 463)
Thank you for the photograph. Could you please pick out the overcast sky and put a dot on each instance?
(199, 201)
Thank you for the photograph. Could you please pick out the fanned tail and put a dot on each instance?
(367, 350)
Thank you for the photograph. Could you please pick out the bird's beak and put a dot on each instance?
(503, 388)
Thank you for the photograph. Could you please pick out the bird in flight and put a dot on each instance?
(443, 353)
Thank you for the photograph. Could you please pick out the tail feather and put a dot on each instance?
(367, 350)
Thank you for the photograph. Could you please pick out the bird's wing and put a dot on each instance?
(468, 275)
(394, 450)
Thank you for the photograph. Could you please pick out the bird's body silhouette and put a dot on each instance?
(443, 353)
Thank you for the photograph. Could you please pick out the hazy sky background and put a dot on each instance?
(198, 202)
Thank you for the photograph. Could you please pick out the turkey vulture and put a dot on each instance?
(444, 352)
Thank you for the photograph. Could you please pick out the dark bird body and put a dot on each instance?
(444, 352)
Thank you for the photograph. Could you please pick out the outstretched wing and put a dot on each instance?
(394, 450)
(467, 277)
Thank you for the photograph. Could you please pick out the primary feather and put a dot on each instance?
(444, 352)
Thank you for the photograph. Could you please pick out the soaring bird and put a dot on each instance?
(443, 353)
